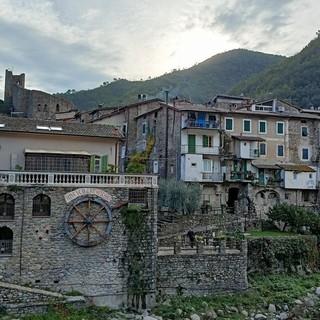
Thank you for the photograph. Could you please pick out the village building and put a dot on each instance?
(60, 211)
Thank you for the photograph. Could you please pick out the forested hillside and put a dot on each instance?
(296, 79)
(199, 83)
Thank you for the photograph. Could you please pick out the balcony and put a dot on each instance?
(194, 123)
(212, 177)
(74, 179)
(200, 149)
(240, 176)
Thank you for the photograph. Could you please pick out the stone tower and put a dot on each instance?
(10, 81)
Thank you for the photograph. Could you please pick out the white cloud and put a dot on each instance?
(79, 44)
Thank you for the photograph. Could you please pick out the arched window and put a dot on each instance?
(6, 239)
(41, 206)
(6, 206)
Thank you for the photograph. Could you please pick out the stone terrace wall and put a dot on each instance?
(18, 299)
(202, 274)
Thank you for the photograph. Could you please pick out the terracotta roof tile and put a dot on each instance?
(13, 124)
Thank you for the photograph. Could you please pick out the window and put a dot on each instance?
(207, 165)
(144, 128)
(280, 150)
(305, 154)
(99, 163)
(6, 206)
(304, 131)
(124, 129)
(305, 195)
(229, 124)
(280, 127)
(246, 125)
(138, 196)
(41, 206)
(206, 141)
(262, 126)
(56, 163)
(263, 149)
(207, 169)
(6, 240)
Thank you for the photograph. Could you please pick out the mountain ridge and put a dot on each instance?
(199, 84)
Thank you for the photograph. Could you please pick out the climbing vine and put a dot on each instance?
(267, 254)
(138, 161)
(135, 220)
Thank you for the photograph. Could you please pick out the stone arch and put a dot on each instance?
(265, 199)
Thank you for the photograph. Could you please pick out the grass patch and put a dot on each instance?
(278, 289)
(271, 234)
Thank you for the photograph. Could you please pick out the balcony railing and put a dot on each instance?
(200, 149)
(241, 176)
(213, 177)
(193, 123)
(65, 179)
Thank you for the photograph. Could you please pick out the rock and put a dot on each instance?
(245, 313)
(149, 318)
(205, 304)
(297, 301)
(194, 317)
(317, 291)
(179, 312)
(283, 316)
(260, 316)
(211, 314)
(272, 308)
(234, 309)
(309, 302)
(220, 312)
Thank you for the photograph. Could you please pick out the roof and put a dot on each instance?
(296, 167)
(27, 125)
(248, 138)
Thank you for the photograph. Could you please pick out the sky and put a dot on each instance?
(79, 44)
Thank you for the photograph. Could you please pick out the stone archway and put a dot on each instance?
(265, 199)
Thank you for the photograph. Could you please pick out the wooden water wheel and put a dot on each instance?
(88, 221)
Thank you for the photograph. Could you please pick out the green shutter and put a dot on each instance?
(205, 141)
(104, 163)
(92, 158)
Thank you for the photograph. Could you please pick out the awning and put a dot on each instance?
(266, 166)
(248, 138)
(43, 151)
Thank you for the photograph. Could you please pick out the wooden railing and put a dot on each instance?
(65, 179)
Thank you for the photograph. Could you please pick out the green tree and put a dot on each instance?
(178, 196)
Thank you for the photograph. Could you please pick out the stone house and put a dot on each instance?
(60, 220)
(34, 103)
(263, 144)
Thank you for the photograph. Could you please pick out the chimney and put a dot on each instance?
(167, 96)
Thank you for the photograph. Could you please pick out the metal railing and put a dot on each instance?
(6, 247)
(200, 149)
(203, 246)
(194, 123)
(23, 178)
(213, 177)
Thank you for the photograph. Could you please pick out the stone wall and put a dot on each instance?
(45, 256)
(203, 274)
(18, 299)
